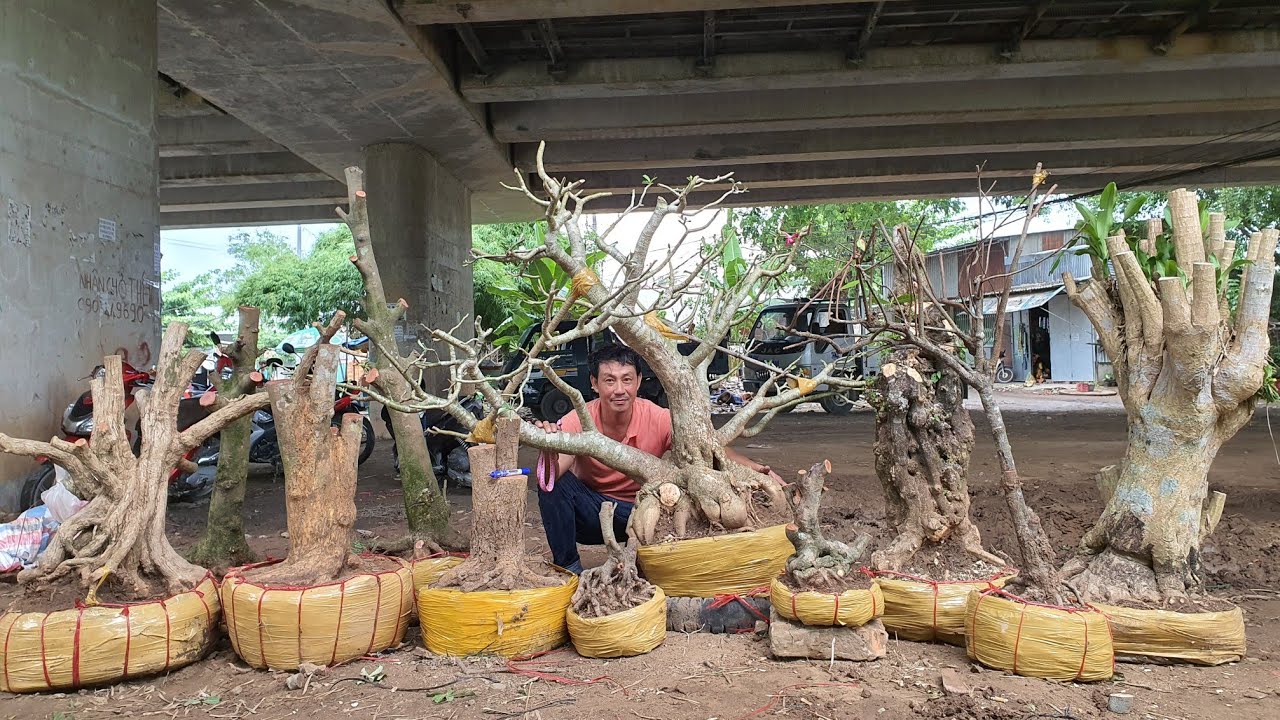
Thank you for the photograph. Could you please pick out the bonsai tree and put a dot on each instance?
(695, 484)
(425, 507)
(1190, 356)
(119, 535)
(819, 563)
(223, 543)
(923, 433)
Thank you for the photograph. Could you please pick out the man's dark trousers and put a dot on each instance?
(571, 515)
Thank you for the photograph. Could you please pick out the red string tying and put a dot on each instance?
(720, 601)
(518, 665)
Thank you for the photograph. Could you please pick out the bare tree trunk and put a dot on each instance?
(1188, 366)
(119, 535)
(224, 544)
(924, 438)
(819, 563)
(615, 585)
(497, 560)
(425, 507)
(319, 475)
(1038, 557)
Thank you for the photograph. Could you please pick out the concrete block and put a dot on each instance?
(792, 640)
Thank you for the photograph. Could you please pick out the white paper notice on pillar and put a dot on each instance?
(106, 230)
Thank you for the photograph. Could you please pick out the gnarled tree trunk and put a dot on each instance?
(223, 544)
(819, 563)
(120, 534)
(497, 560)
(1188, 366)
(615, 585)
(923, 441)
(425, 507)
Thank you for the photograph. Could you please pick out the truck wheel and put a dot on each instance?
(839, 405)
(554, 405)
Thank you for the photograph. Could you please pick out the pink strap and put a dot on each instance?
(546, 472)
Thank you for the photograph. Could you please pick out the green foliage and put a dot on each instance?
(292, 290)
(195, 302)
(833, 230)
(509, 301)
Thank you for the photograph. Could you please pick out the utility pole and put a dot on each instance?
(299, 240)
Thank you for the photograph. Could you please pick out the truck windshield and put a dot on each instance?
(772, 326)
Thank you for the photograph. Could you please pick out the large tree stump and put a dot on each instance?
(923, 440)
(497, 560)
(120, 534)
(320, 468)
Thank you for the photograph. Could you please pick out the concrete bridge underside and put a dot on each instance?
(806, 101)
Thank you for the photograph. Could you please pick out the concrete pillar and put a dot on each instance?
(79, 210)
(420, 221)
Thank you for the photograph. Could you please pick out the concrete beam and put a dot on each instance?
(324, 79)
(434, 12)
(1067, 184)
(265, 195)
(276, 167)
(736, 150)
(883, 106)
(242, 217)
(209, 135)
(1103, 163)
(623, 77)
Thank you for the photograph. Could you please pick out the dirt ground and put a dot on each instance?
(1059, 440)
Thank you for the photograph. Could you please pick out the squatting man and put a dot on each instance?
(571, 508)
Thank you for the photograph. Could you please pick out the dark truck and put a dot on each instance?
(570, 363)
(774, 340)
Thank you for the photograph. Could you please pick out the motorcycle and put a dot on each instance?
(448, 452)
(77, 424)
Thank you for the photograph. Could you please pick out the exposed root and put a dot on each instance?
(614, 586)
(517, 575)
(1110, 577)
(727, 499)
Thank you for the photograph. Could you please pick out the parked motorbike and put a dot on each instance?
(448, 452)
(77, 424)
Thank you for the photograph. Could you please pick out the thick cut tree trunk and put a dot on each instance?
(425, 506)
(224, 544)
(319, 475)
(615, 585)
(497, 560)
(819, 563)
(1188, 366)
(923, 441)
(120, 534)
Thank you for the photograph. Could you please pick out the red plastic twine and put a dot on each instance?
(1084, 657)
(514, 665)
(720, 601)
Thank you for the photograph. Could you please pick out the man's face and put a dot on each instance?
(617, 385)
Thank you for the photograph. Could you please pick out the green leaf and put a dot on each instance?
(1107, 201)
(1135, 204)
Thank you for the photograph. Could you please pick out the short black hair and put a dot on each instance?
(613, 353)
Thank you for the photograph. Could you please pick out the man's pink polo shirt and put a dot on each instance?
(650, 431)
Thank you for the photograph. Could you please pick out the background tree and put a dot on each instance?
(1189, 363)
(197, 303)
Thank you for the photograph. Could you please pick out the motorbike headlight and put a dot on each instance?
(262, 417)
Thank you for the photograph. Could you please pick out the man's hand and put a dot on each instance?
(546, 427)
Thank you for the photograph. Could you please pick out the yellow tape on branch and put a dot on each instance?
(280, 627)
(482, 432)
(429, 569)
(1035, 640)
(103, 644)
(924, 610)
(630, 632)
(804, 385)
(720, 565)
(583, 281)
(1208, 638)
(495, 622)
(652, 320)
(851, 608)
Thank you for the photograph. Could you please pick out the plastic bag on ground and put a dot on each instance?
(62, 503)
(22, 540)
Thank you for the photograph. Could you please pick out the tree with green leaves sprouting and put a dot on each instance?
(1190, 356)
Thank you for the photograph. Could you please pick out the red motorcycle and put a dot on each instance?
(77, 424)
